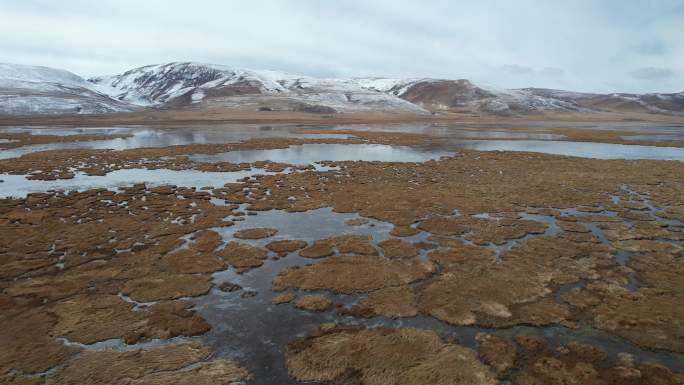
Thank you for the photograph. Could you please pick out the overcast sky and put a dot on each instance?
(583, 45)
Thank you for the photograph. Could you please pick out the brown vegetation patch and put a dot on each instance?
(577, 363)
(319, 249)
(392, 302)
(283, 298)
(640, 230)
(179, 364)
(58, 248)
(91, 318)
(498, 231)
(474, 290)
(650, 317)
(345, 244)
(384, 357)
(356, 222)
(229, 287)
(661, 271)
(65, 257)
(354, 244)
(472, 182)
(403, 231)
(317, 303)
(459, 255)
(496, 352)
(458, 297)
(645, 245)
(482, 231)
(61, 164)
(26, 343)
(573, 227)
(167, 286)
(26, 139)
(198, 257)
(286, 246)
(352, 274)
(242, 256)
(256, 233)
(396, 248)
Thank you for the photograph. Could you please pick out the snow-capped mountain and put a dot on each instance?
(186, 82)
(177, 84)
(41, 90)
(658, 103)
(28, 90)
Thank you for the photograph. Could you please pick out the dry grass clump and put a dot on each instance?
(384, 357)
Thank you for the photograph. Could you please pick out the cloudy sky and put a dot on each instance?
(584, 45)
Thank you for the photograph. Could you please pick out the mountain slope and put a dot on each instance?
(29, 90)
(185, 83)
(658, 103)
(26, 90)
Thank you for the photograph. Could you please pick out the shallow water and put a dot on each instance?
(451, 136)
(310, 153)
(143, 137)
(579, 149)
(68, 131)
(18, 186)
(656, 137)
(252, 329)
(256, 332)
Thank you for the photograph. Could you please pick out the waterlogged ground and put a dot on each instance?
(342, 255)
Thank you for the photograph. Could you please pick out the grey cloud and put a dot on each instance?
(650, 73)
(497, 42)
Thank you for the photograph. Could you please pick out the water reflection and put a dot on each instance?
(311, 153)
(656, 137)
(580, 149)
(18, 186)
(153, 137)
(449, 136)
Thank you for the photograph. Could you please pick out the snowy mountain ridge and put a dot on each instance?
(34, 90)
(28, 90)
(37, 74)
(191, 83)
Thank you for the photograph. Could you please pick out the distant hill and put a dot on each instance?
(29, 90)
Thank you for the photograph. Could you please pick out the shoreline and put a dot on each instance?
(164, 118)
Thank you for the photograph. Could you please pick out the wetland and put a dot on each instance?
(395, 254)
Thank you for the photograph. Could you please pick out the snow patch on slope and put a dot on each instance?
(30, 90)
(158, 84)
(15, 73)
(164, 83)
